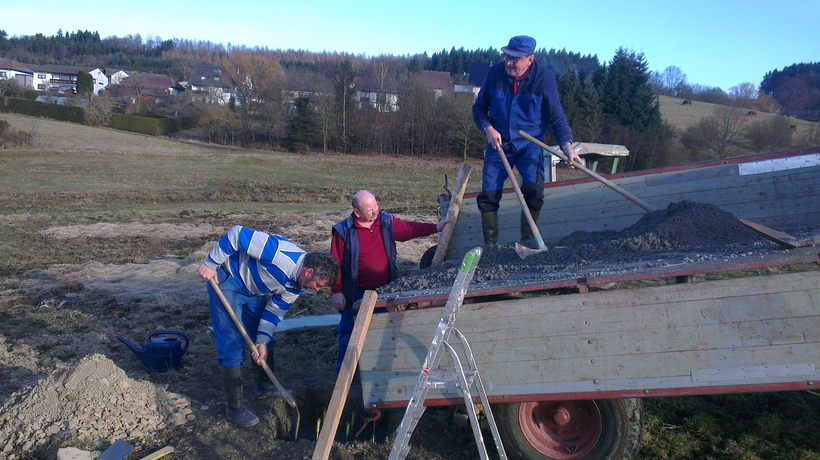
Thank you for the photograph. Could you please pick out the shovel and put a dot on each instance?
(783, 239)
(589, 172)
(250, 344)
(523, 251)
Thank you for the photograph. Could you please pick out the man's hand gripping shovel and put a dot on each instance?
(249, 343)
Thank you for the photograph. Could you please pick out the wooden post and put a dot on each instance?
(452, 214)
(351, 360)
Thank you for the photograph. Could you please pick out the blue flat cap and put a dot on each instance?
(519, 46)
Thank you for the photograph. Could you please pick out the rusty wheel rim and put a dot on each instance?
(562, 430)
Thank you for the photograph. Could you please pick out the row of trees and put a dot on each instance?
(307, 101)
(728, 131)
(612, 103)
(796, 88)
(457, 61)
(327, 116)
(794, 91)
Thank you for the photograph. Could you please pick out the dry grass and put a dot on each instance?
(683, 116)
(97, 166)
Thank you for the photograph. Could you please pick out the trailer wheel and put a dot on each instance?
(427, 258)
(605, 429)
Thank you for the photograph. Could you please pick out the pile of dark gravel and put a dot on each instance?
(684, 230)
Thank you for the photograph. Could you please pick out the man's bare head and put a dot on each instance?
(365, 207)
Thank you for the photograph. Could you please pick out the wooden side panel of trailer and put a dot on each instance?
(759, 332)
(779, 190)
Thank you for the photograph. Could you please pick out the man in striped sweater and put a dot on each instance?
(261, 275)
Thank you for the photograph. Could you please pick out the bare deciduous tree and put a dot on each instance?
(809, 137)
(254, 77)
(792, 94)
(673, 77)
(718, 135)
(744, 95)
(770, 134)
(462, 130)
(344, 85)
(99, 111)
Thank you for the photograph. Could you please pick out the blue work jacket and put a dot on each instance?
(534, 108)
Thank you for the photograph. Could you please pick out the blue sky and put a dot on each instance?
(715, 43)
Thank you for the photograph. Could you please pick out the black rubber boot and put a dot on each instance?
(526, 231)
(236, 412)
(264, 386)
(489, 226)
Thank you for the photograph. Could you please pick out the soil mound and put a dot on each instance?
(92, 404)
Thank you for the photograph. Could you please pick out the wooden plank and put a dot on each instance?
(660, 334)
(630, 367)
(638, 356)
(508, 347)
(334, 409)
(613, 375)
(452, 214)
(568, 313)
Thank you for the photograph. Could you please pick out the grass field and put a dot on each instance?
(683, 116)
(77, 175)
(75, 160)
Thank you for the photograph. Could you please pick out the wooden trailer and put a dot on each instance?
(566, 374)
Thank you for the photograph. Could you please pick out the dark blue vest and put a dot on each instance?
(350, 260)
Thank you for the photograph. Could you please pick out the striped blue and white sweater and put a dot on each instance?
(261, 264)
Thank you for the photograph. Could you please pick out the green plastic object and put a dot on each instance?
(470, 259)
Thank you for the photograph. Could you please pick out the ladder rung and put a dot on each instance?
(440, 378)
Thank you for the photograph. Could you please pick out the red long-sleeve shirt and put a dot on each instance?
(373, 270)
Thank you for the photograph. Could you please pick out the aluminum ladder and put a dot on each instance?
(433, 377)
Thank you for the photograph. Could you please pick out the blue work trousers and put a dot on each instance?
(528, 160)
(248, 308)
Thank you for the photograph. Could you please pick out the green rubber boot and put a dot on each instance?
(264, 386)
(526, 231)
(489, 227)
(236, 412)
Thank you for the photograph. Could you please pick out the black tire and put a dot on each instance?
(427, 258)
(603, 429)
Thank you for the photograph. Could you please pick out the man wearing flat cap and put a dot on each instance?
(517, 94)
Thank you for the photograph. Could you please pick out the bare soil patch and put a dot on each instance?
(58, 348)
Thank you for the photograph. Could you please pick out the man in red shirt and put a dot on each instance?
(364, 244)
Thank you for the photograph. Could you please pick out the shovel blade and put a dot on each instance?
(524, 252)
(780, 238)
(116, 451)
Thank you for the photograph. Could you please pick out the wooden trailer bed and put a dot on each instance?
(700, 337)
(566, 373)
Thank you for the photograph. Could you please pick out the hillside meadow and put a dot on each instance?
(102, 204)
(66, 158)
(682, 116)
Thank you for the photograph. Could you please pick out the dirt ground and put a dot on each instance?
(68, 381)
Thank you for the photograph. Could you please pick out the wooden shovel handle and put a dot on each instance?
(588, 171)
(524, 208)
(249, 342)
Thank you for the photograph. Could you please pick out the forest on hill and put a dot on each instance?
(613, 102)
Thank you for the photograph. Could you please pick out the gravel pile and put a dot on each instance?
(94, 403)
(684, 231)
